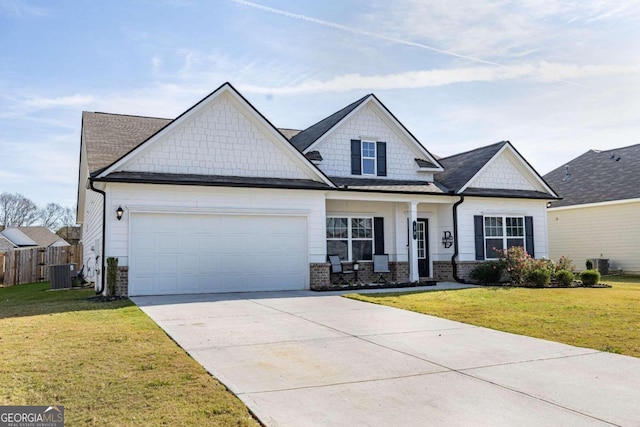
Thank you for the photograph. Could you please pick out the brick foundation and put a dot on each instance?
(122, 282)
(321, 277)
(442, 270)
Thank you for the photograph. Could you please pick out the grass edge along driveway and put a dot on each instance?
(106, 363)
(606, 319)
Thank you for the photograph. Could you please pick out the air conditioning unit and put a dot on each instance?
(601, 264)
(60, 276)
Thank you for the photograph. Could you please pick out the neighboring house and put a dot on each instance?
(71, 235)
(24, 237)
(219, 200)
(599, 214)
(5, 244)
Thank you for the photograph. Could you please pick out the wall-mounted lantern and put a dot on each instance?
(119, 213)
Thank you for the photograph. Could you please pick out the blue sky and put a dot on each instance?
(554, 78)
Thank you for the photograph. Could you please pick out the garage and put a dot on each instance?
(206, 253)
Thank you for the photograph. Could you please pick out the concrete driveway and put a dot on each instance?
(309, 359)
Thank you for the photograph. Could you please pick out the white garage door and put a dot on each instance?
(190, 253)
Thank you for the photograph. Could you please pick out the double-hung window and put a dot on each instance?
(350, 238)
(502, 232)
(368, 158)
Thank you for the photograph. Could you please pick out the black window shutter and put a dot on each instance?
(478, 223)
(378, 233)
(356, 164)
(528, 232)
(381, 150)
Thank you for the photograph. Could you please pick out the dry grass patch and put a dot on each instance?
(604, 319)
(106, 363)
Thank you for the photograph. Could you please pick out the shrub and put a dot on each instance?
(565, 277)
(539, 277)
(487, 272)
(565, 263)
(516, 261)
(589, 264)
(112, 274)
(590, 277)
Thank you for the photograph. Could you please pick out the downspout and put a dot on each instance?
(104, 228)
(454, 266)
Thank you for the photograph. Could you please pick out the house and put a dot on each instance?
(220, 200)
(598, 214)
(24, 237)
(70, 234)
(5, 244)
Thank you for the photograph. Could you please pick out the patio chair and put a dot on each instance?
(380, 267)
(336, 268)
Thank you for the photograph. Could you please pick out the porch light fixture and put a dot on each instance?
(548, 204)
(119, 213)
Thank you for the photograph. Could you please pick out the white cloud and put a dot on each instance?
(70, 101)
(550, 72)
(20, 9)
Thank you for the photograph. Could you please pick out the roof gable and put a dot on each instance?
(598, 176)
(493, 168)
(312, 137)
(221, 135)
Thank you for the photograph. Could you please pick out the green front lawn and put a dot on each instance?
(106, 363)
(605, 319)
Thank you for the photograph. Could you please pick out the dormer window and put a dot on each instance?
(368, 158)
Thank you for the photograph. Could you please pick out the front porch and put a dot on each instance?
(415, 231)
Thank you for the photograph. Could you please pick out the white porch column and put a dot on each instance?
(414, 275)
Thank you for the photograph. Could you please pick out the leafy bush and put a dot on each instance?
(487, 272)
(565, 263)
(565, 277)
(589, 264)
(539, 277)
(590, 277)
(516, 261)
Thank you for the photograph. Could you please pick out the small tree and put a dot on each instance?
(112, 274)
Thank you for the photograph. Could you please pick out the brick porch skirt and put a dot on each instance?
(321, 277)
(442, 270)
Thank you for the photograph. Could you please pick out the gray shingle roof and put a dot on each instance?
(460, 168)
(107, 137)
(304, 139)
(496, 192)
(598, 176)
(212, 180)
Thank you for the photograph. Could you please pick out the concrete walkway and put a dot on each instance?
(315, 359)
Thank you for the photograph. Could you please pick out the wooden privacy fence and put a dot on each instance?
(32, 264)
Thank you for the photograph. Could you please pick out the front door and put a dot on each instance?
(422, 235)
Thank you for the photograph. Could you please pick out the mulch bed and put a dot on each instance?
(549, 286)
(102, 298)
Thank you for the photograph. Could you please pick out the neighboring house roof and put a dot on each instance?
(42, 236)
(304, 139)
(460, 168)
(598, 176)
(17, 237)
(108, 136)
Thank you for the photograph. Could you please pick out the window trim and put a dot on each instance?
(374, 158)
(505, 238)
(350, 239)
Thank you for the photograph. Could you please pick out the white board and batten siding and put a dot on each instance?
(92, 236)
(214, 239)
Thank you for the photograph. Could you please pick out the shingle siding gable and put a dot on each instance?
(366, 124)
(219, 140)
